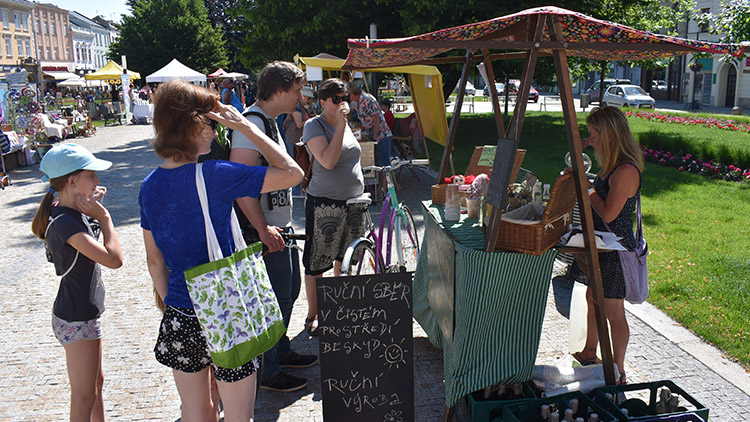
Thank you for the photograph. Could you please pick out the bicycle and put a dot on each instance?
(366, 254)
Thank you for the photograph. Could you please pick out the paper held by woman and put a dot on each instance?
(604, 240)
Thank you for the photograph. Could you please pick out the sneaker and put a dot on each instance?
(295, 360)
(284, 383)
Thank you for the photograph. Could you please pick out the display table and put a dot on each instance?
(143, 111)
(484, 309)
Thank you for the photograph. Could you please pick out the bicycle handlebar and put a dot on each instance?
(396, 164)
(294, 236)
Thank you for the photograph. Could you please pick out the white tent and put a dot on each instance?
(175, 70)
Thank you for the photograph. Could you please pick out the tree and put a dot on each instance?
(160, 30)
(279, 30)
(732, 23)
(220, 18)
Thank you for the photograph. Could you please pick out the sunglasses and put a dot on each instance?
(213, 123)
(337, 99)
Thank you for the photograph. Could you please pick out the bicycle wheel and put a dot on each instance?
(406, 240)
(360, 259)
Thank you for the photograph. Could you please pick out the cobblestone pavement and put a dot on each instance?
(33, 379)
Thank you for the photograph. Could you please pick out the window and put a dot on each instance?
(78, 54)
(703, 26)
(38, 26)
(28, 48)
(8, 47)
(25, 21)
(48, 55)
(57, 54)
(19, 44)
(44, 27)
(17, 20)
(52, 26)
(5, 18)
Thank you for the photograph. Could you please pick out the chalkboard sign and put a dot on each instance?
(366, 348)
(501, 169)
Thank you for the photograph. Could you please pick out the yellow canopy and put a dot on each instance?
(426, 83)
(112, 71)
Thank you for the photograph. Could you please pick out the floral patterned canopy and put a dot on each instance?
(582, 36)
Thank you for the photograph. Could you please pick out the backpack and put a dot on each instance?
(301, 155)
(222, 152)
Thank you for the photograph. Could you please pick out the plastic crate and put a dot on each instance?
(648, 393)
(529, 411)
(685, 417)
(481, 410)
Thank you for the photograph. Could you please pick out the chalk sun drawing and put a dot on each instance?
(394, 355)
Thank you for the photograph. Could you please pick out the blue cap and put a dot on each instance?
(64, 159)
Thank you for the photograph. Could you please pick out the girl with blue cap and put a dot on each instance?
(70, 228)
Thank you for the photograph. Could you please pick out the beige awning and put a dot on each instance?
(61, 76)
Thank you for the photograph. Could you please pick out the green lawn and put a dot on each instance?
(699, 266)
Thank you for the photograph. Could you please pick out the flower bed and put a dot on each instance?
(692, 164)
(691, 121)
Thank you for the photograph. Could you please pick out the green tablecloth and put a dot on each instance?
(484, 309)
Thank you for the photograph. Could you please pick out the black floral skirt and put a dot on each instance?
(331, 226)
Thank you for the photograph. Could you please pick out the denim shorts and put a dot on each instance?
(69, 332)
(181, 346)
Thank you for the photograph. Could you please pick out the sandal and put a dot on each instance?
(586, 362)
(311, 326)
(623, 379)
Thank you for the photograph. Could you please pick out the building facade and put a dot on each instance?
(715, 81)
(84, 36)
(17, 45)
(105, 34)
(54, 41)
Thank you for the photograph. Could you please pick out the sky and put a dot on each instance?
(110, 9)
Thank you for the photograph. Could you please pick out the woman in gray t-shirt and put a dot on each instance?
(330, 224)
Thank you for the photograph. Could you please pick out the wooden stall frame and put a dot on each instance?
(535, 45)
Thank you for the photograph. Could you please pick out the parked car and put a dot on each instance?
(658, 85)
(513, 90)
(594, 89)
(499, 87)
(470, 90)
(533, 95)
(628, 96)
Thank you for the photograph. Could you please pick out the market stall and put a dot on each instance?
(445, 309)
(111, 73)
(175, 70)
(426, 88)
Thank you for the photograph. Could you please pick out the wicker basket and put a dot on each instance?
(474, 169)
(535, 239)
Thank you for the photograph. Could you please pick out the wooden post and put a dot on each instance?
(514, 130)
(419, 120)
(454, 119)
(493, 93)
(584, 204)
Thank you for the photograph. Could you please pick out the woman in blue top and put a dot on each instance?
(175, 238)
